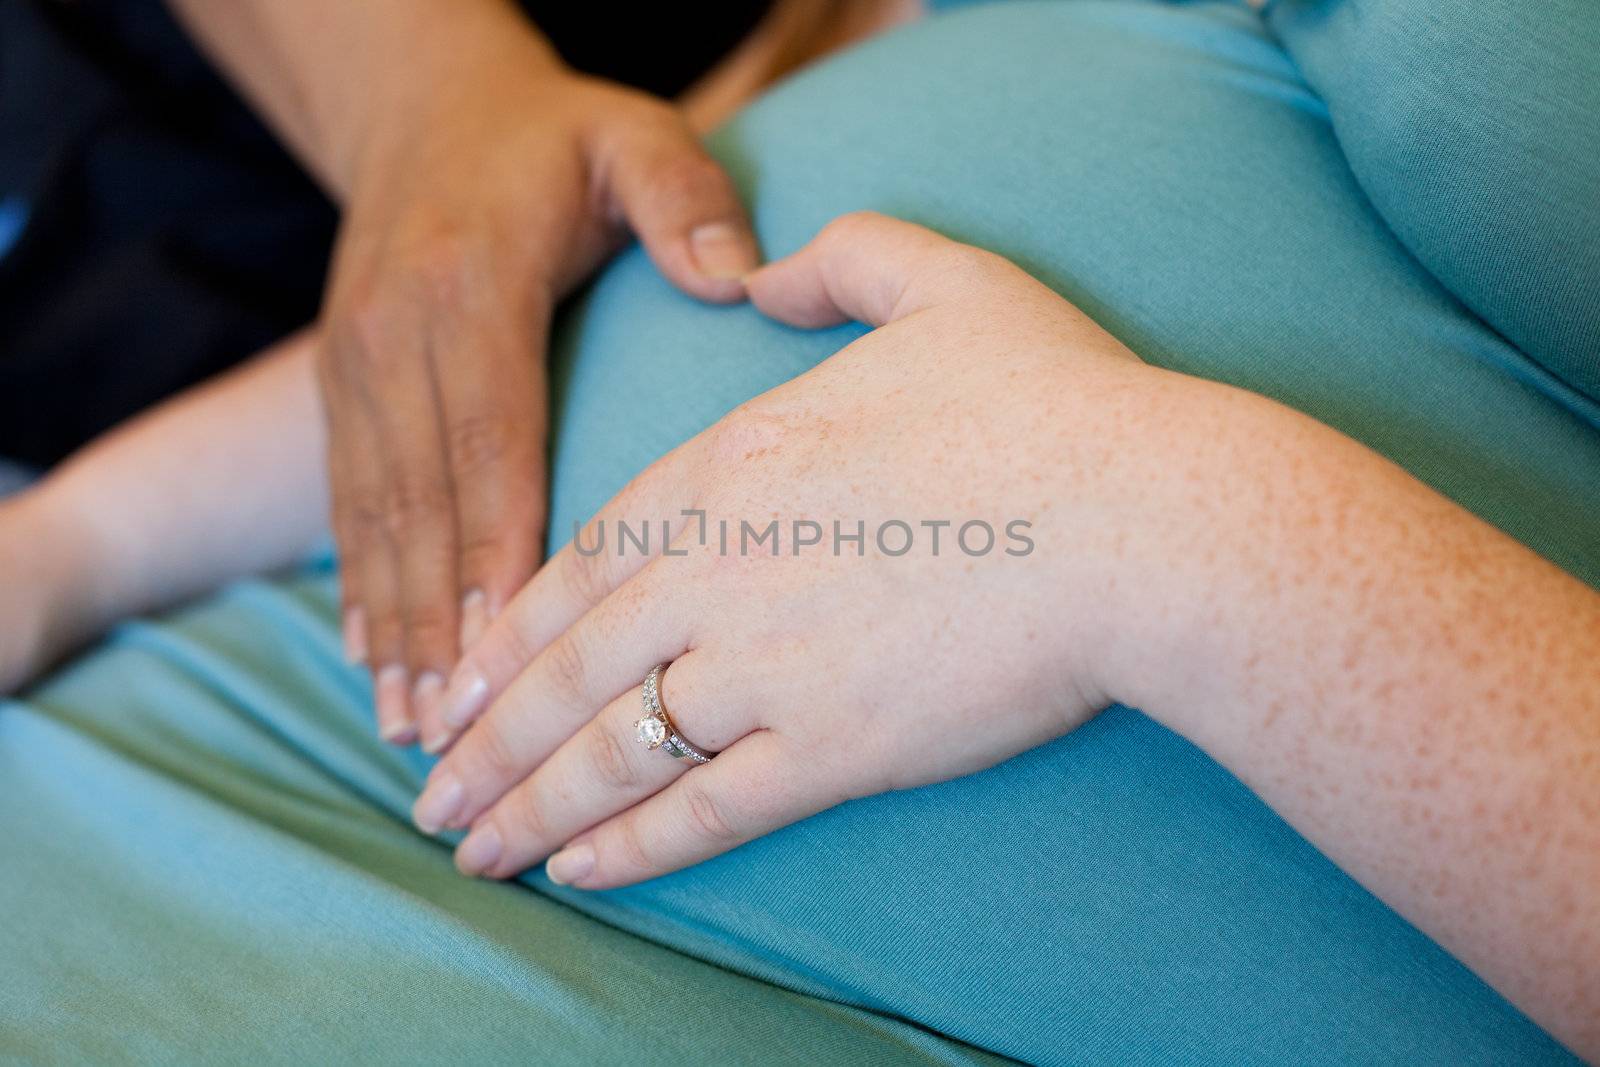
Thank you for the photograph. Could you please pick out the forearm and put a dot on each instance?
(327, 75)
(1413, 690)
(224, 480)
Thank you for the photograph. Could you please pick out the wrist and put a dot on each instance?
(50, 594)
(1257, 543)
(441, 60)
(1172, 550)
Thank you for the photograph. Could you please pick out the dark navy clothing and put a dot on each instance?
(153, 232)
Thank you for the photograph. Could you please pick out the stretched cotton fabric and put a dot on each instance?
(207, 852)
(1475, 129)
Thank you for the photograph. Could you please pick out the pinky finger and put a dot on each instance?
(751, 789)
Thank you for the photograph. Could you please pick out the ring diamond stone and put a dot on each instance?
(655, 729)
(652, 732)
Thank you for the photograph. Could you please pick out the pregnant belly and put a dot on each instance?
(1113, 896)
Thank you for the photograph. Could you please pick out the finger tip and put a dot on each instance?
(399, 735)
(392, 705)
(465, 698)
(710, 290)
(764, 287)
(474, 618)
(427, 697)
(480, 851)
(722, 253)
(572, 866)
(440, 806)
(355, 636)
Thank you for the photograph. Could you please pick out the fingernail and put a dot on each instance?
(465, 698)
(479, 851)
(439, 803)
(429, 695)
(426, 694)
(571, 865)
(394, 714)
(474, 618)
(722, 250)
(402, 736)
(355, 635)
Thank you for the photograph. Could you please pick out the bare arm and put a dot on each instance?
(1413, 690)
(224, 480)
(326, 74)
(481, 180)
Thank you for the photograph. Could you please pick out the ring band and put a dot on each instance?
(656, 730)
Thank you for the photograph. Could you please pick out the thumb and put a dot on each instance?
(873, 269)
(686, 211)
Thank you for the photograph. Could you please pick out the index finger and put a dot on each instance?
(635, 526)
(649, 621)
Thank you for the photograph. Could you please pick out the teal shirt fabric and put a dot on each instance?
(207, 846)
(1475, 129)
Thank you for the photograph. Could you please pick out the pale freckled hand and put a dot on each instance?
(817, 676)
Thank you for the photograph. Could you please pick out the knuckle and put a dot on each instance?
(850, 227)
(365, 513)
(493, 751)
(527, 813)
(746, 433)
(630, 846)
(365, 520)
(383, 621)
(428, 639)
(479, 552)
(496, 530)
(708, 814)
(689, 178)
(611, 761)
(479, 441)
(587, 577)
(507, 641)
(438, 266)
(413, 502)
(365, 341)
(427, 614)
(567, 667)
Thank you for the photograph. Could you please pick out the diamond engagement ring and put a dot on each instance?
(655, 729)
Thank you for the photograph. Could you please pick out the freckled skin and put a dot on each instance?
(1412, 690)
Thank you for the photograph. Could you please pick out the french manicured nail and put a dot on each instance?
(474, 618)
(465, 698)
(439, 803)
(355, 635)
(425, 698)
(479, 852)
(394, 712)
(722, 250)
(571, 865)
